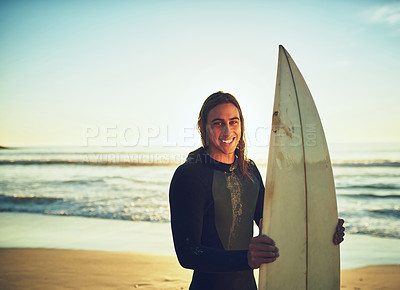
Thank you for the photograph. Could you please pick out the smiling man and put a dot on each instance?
(223, 132)
(214, 198)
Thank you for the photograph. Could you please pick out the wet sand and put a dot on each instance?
(82, 269)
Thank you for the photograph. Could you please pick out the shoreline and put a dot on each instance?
(26, 230)
(82, 269)
(59, 252)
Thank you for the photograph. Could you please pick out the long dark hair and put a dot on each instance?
(211, 102)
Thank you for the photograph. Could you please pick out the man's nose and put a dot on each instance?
(227, 130)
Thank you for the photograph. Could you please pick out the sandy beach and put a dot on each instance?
(52, 252)
(76, 269)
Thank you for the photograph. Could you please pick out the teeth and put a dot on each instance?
(227, 141)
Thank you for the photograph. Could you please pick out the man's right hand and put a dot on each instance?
(262, 250)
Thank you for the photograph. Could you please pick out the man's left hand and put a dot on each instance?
(338, 237)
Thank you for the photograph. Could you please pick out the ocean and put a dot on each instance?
(132, 184)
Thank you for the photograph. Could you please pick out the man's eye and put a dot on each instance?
(234, 122)
(218, 124)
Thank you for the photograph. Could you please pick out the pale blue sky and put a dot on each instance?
(145, 67)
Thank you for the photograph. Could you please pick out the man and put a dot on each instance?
(214, 198)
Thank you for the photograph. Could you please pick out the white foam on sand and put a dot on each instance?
(24, 230)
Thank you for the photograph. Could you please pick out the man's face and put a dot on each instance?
(223, 131)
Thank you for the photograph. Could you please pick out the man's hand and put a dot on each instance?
(338, 237)
(261, 250)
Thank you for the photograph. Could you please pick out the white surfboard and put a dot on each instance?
(300, 211)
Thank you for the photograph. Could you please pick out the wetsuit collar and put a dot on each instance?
(200, 155)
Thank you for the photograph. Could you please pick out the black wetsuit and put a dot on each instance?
(212, 211)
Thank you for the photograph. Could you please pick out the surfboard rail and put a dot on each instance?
(300, 210)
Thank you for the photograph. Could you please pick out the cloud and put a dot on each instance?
(387, 14)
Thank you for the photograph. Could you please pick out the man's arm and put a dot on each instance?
(187, 199)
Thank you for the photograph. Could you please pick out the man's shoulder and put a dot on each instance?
(193, 165)
(191, 176)
(252, 168)
(251, 163)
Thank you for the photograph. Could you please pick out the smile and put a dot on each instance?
(228, 141)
